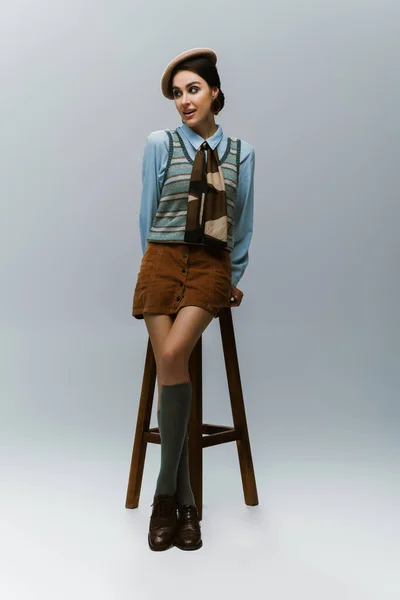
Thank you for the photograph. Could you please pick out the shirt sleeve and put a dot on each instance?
(154, 163)
(244, 213)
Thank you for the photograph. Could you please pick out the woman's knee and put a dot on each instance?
(158, 327)
(172, 359)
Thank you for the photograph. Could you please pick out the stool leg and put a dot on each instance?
(195, 427)
(142, 425)
(237, 405)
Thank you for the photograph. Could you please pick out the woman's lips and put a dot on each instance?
(189, 115)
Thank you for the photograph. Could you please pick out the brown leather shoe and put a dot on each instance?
(188, 533)
(162, 522)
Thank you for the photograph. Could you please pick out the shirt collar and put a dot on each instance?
(196, 140)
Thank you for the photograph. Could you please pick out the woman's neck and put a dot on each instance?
(207, 129)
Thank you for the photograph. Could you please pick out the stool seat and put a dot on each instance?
(200, 435)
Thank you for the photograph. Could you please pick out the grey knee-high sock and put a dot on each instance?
(175, 407)
(184, 493)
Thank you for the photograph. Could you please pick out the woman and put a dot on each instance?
(196, 222)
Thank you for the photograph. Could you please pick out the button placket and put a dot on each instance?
(184, 270)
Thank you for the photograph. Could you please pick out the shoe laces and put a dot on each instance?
(188, 510)
(163, 506)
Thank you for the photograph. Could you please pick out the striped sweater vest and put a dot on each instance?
(169, 222)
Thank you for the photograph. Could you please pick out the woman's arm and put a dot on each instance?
(155, 158)
(244, 211)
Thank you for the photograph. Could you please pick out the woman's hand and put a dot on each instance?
(236, 296)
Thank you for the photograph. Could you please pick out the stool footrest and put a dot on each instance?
(152, 436)
(212, 435)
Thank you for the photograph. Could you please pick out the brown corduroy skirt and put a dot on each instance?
(173, 275)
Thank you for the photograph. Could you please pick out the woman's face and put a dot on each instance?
(192, 94)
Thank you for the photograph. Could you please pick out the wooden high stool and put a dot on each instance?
(200, 435)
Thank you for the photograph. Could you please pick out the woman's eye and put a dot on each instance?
(176, 93)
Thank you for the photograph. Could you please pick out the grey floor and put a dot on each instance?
(327, 525)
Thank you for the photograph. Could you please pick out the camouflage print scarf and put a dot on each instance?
(206, 220)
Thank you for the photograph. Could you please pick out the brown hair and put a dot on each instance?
(208, 71)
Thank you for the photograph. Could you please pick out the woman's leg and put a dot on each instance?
(172, 347)
(158, 327)
(188, 326)
(172, 358)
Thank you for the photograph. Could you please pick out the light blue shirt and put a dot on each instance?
(155, 158)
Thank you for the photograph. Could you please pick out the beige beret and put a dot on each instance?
(207, 52)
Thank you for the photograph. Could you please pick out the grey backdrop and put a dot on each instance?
(314, 87)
